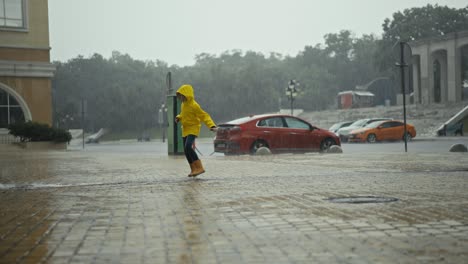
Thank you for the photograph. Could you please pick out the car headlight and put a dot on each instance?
(362, 133)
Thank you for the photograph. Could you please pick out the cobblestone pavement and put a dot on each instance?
(108, 207)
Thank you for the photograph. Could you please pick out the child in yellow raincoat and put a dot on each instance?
(191, 115)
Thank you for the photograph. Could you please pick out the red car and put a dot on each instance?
(278, 133)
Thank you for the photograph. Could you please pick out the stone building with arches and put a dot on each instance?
(440, 69)
(25, 68)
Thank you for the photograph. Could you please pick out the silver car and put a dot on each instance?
(335, 127)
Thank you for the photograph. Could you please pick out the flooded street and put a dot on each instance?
(131, 203)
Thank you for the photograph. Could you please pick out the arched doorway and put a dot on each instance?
(439, 76)
(416, 76)
(12, 107)
(464, 72)
(437, 81)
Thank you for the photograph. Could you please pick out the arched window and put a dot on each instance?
(437, 81)
(10, 110)
(464, 72)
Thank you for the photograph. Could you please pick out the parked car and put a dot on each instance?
(277, 132)
(383, 130)
(344, 132)
(334, 128)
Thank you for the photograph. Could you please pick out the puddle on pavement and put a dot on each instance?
(34, 186)
(362, 199)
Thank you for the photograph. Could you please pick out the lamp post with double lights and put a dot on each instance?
(291, 91)
(162, 120)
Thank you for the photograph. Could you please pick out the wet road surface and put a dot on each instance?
(130, 203)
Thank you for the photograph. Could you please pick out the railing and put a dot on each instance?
(454, 124)
(7, 138)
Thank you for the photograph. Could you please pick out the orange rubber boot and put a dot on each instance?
(198, 168)
(192, 168)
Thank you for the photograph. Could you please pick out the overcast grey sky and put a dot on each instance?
(176, 30)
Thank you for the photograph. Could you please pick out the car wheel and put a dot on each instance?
(408, 137)
(326, 144)
(371, 138)
(258, 144)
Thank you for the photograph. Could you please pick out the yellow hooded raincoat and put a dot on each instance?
(191, 114)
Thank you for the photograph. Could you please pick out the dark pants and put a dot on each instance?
(189, 151)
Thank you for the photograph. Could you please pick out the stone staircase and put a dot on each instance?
(426, 118)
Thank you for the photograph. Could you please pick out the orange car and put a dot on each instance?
(383, 130)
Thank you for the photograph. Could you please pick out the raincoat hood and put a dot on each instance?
(187, 91)
(191, 114)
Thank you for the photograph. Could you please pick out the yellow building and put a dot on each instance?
(25, 68)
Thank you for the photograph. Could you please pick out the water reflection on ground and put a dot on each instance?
(130, 202)
(205, 146)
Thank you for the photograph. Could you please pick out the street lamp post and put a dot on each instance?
(162, 116)
(402, 64)
(83, 112)
(291, 92)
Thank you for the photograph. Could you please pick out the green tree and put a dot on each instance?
(121, 93)
(125, 94)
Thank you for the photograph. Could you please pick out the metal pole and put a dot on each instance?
(164, 109)
(161, 121)
(174, 131)
(165, 124)
(291, 98)
(402, 69)
(169, 82)
(54, 105)
(82, 120)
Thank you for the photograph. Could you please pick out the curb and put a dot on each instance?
(439, 138)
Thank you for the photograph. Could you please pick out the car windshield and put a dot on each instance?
(335, 126)
(374, 124)
(359, 123)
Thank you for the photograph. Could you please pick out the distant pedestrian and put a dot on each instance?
(191, 116)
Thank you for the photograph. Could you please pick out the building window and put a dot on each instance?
(10, 110)
(12, 14)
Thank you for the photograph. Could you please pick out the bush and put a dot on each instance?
(33, 131)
